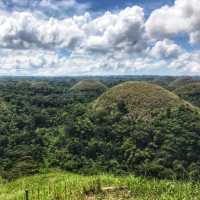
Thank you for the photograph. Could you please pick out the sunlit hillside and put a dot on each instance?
(66, 186)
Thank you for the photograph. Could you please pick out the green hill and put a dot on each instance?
(163, 81)
(190, 92)
(87, 89)
(66, 186)
(139, 99)
(181, 81)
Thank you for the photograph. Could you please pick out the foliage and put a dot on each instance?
(167, 147)
(43, 127)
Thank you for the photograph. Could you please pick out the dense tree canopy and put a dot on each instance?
(42, 127)
(190, 92)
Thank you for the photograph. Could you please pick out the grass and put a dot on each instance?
(67, 186)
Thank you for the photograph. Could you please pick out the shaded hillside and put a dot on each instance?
(182, 81)
(190, 92)
(164, 81)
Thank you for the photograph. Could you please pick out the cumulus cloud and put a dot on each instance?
(51, 8)
(112, 43)
(166, 49)
(187, 62)
(24, 30)
(181, 18)
(24, 62)
(113, 36)
(195, 37)
(121, 31)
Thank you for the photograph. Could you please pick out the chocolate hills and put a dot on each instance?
(139, 99)
(87, 89)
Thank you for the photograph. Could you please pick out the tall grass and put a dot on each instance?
(67, 186)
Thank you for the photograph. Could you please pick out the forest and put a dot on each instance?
(142, 125)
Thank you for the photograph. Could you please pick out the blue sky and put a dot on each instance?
(94, 5)
(107, 37)
(103, 5)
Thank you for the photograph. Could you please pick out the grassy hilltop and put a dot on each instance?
(139, 99)
(66, 186)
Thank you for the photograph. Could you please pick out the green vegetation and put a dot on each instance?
(190, 92)
(182, 81)
(133, 128)
(65, 186)
(28, 109)
(108, 136)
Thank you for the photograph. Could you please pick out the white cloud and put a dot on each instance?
(195, 37)
(181, 18)
(121, 31)
(113, 43)
(40, 39)
(118, 31)
(189, 63)
(24, 62)
(53, 8)
(43, 62)
(165, 49)
(24, 30)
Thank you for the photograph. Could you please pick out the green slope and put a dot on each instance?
(190, 92)
(181, 81)
(65, 186)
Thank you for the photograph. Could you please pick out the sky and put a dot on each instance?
(99, 37)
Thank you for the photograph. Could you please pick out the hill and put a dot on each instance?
(164, 81)
(87, 89)
(182, 81)
(139, 99)
(59, 185)
(190, 92)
